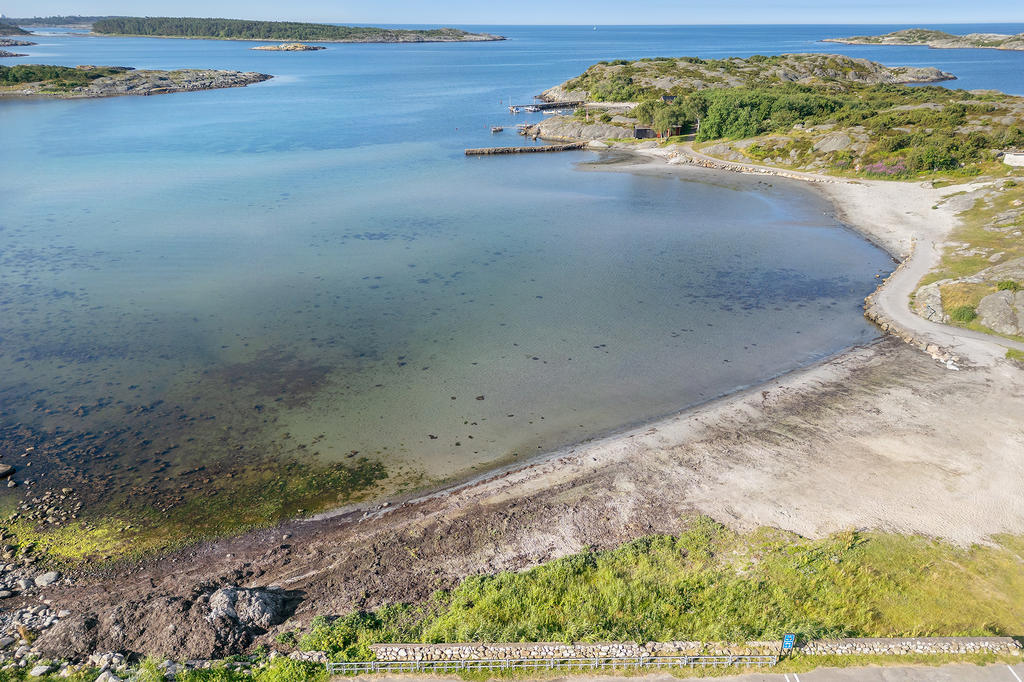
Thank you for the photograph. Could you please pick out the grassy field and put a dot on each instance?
(711, 584)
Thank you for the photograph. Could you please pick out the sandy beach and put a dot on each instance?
(880, 437)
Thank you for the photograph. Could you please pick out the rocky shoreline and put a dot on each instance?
(132, 82)
(289, 47)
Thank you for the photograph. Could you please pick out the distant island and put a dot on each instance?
(938, 39)
(240, 29)
(71, 21)
(5, 53)
(65, 82)
(289, 47)
(7, 42)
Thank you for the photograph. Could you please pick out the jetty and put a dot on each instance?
(544, 106)
(535, 149)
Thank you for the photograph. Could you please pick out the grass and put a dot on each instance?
(975, 230)
(1015, 355)
(711, 584)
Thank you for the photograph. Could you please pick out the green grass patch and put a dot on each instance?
(711, 584)
(986, 228)
(963, 313)
(1015, 355)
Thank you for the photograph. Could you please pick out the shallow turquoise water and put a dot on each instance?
(311, 265)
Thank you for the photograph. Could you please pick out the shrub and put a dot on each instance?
(963, 313)
(287, 670)
(1009, 285)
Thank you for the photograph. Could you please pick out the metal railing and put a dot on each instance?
(566, 664)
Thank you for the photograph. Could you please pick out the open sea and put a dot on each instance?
(311, 268)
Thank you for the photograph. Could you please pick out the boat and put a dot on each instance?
(496, 129)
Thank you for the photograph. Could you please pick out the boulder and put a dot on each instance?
(40, 670)
(999, 312)
(833, 142)
(928, 302)
(6, 470)
(47, 579)
(251, 608)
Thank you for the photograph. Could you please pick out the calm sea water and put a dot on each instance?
(313, 263)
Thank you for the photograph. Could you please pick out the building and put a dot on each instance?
(1013, 157)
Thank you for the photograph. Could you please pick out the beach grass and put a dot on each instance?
(713, 584)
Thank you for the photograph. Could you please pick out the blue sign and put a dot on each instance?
(788, 641)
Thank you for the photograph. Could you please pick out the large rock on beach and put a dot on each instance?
(209, 623)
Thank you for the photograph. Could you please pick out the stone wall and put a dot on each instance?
(899, 646)
(544, 650)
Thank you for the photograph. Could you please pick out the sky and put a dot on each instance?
(463, 12)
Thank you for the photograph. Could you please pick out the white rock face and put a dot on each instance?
(251, 608)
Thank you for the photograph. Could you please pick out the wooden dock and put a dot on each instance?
(535, 149)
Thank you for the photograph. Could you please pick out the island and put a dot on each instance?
(5, 53)
(8, 42)
(289, 47)
(938, 39)
(240, 29)
(65, 82)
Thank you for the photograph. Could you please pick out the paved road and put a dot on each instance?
(947, 673)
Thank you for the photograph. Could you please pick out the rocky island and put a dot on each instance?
(63, 82)
(5, 53)
(938, 39)
(239, 29)
(289, 47)
(8, 42)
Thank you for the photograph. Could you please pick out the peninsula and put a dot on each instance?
(12, 30)
(64, 82)
(240, 29)
(938, 39)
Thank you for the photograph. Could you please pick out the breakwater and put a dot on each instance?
(490, 151)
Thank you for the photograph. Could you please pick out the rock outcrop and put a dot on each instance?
(1003, 312)
(132, 82)
(210, 623)
(570, 128)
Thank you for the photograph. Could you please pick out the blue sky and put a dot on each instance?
(914, 12)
